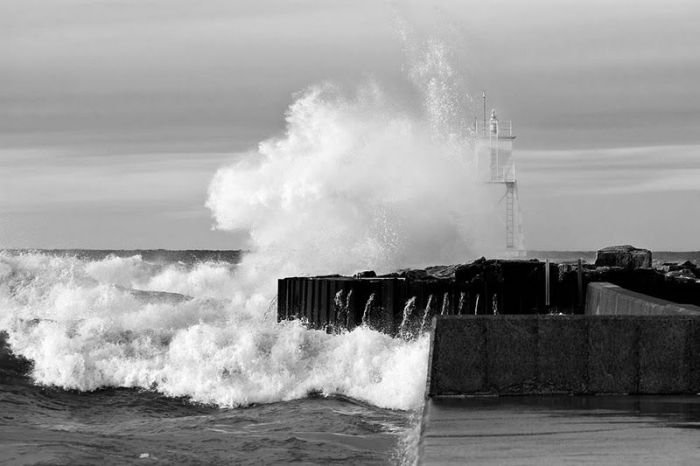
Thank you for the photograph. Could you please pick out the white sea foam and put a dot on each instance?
(85, 333)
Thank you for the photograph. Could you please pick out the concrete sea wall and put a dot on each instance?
(604, 298)
(474, 355)
(627, 343)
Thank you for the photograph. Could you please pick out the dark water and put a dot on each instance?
(122, 426)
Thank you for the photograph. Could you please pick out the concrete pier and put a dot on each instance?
(487, 287)
(497, 355)
(629, 430)
(556, 335)
(608, 299)
(632, 360)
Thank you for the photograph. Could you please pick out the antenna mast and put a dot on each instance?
(484, 98)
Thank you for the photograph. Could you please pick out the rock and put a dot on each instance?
(683, 275)
(442, 271)
(413, 274)
(688, 265)
(627, 257)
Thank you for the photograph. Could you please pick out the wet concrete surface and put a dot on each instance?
(562, 430)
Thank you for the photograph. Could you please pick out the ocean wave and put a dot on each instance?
(83, 326)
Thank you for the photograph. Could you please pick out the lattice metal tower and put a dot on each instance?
(498, 137)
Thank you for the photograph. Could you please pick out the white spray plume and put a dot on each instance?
(358, 182)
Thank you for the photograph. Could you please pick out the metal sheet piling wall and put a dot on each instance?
(341, 302)
(336, 302)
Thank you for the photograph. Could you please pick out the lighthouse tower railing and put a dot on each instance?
(505, 129)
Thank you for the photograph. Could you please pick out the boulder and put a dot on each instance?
(365, 274)
(627, 257)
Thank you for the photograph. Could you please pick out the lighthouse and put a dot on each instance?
(496, 139)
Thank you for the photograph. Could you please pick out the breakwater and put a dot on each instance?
(410, 298)
(627, 344)
(473, 355)
(413, 297)
(608, 299)
(623, 326)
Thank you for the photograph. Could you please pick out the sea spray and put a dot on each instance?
(404, 329)
(358, 181)
(345, 322)
(445, 310)
(367, 314)
(338, 311)
(426, 315)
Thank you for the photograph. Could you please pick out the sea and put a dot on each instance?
(123, 357)
(158, 357)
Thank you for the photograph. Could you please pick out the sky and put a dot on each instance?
(116, 114)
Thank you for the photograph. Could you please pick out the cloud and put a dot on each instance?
(60, 198)
(33, 179)
(611, 171)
